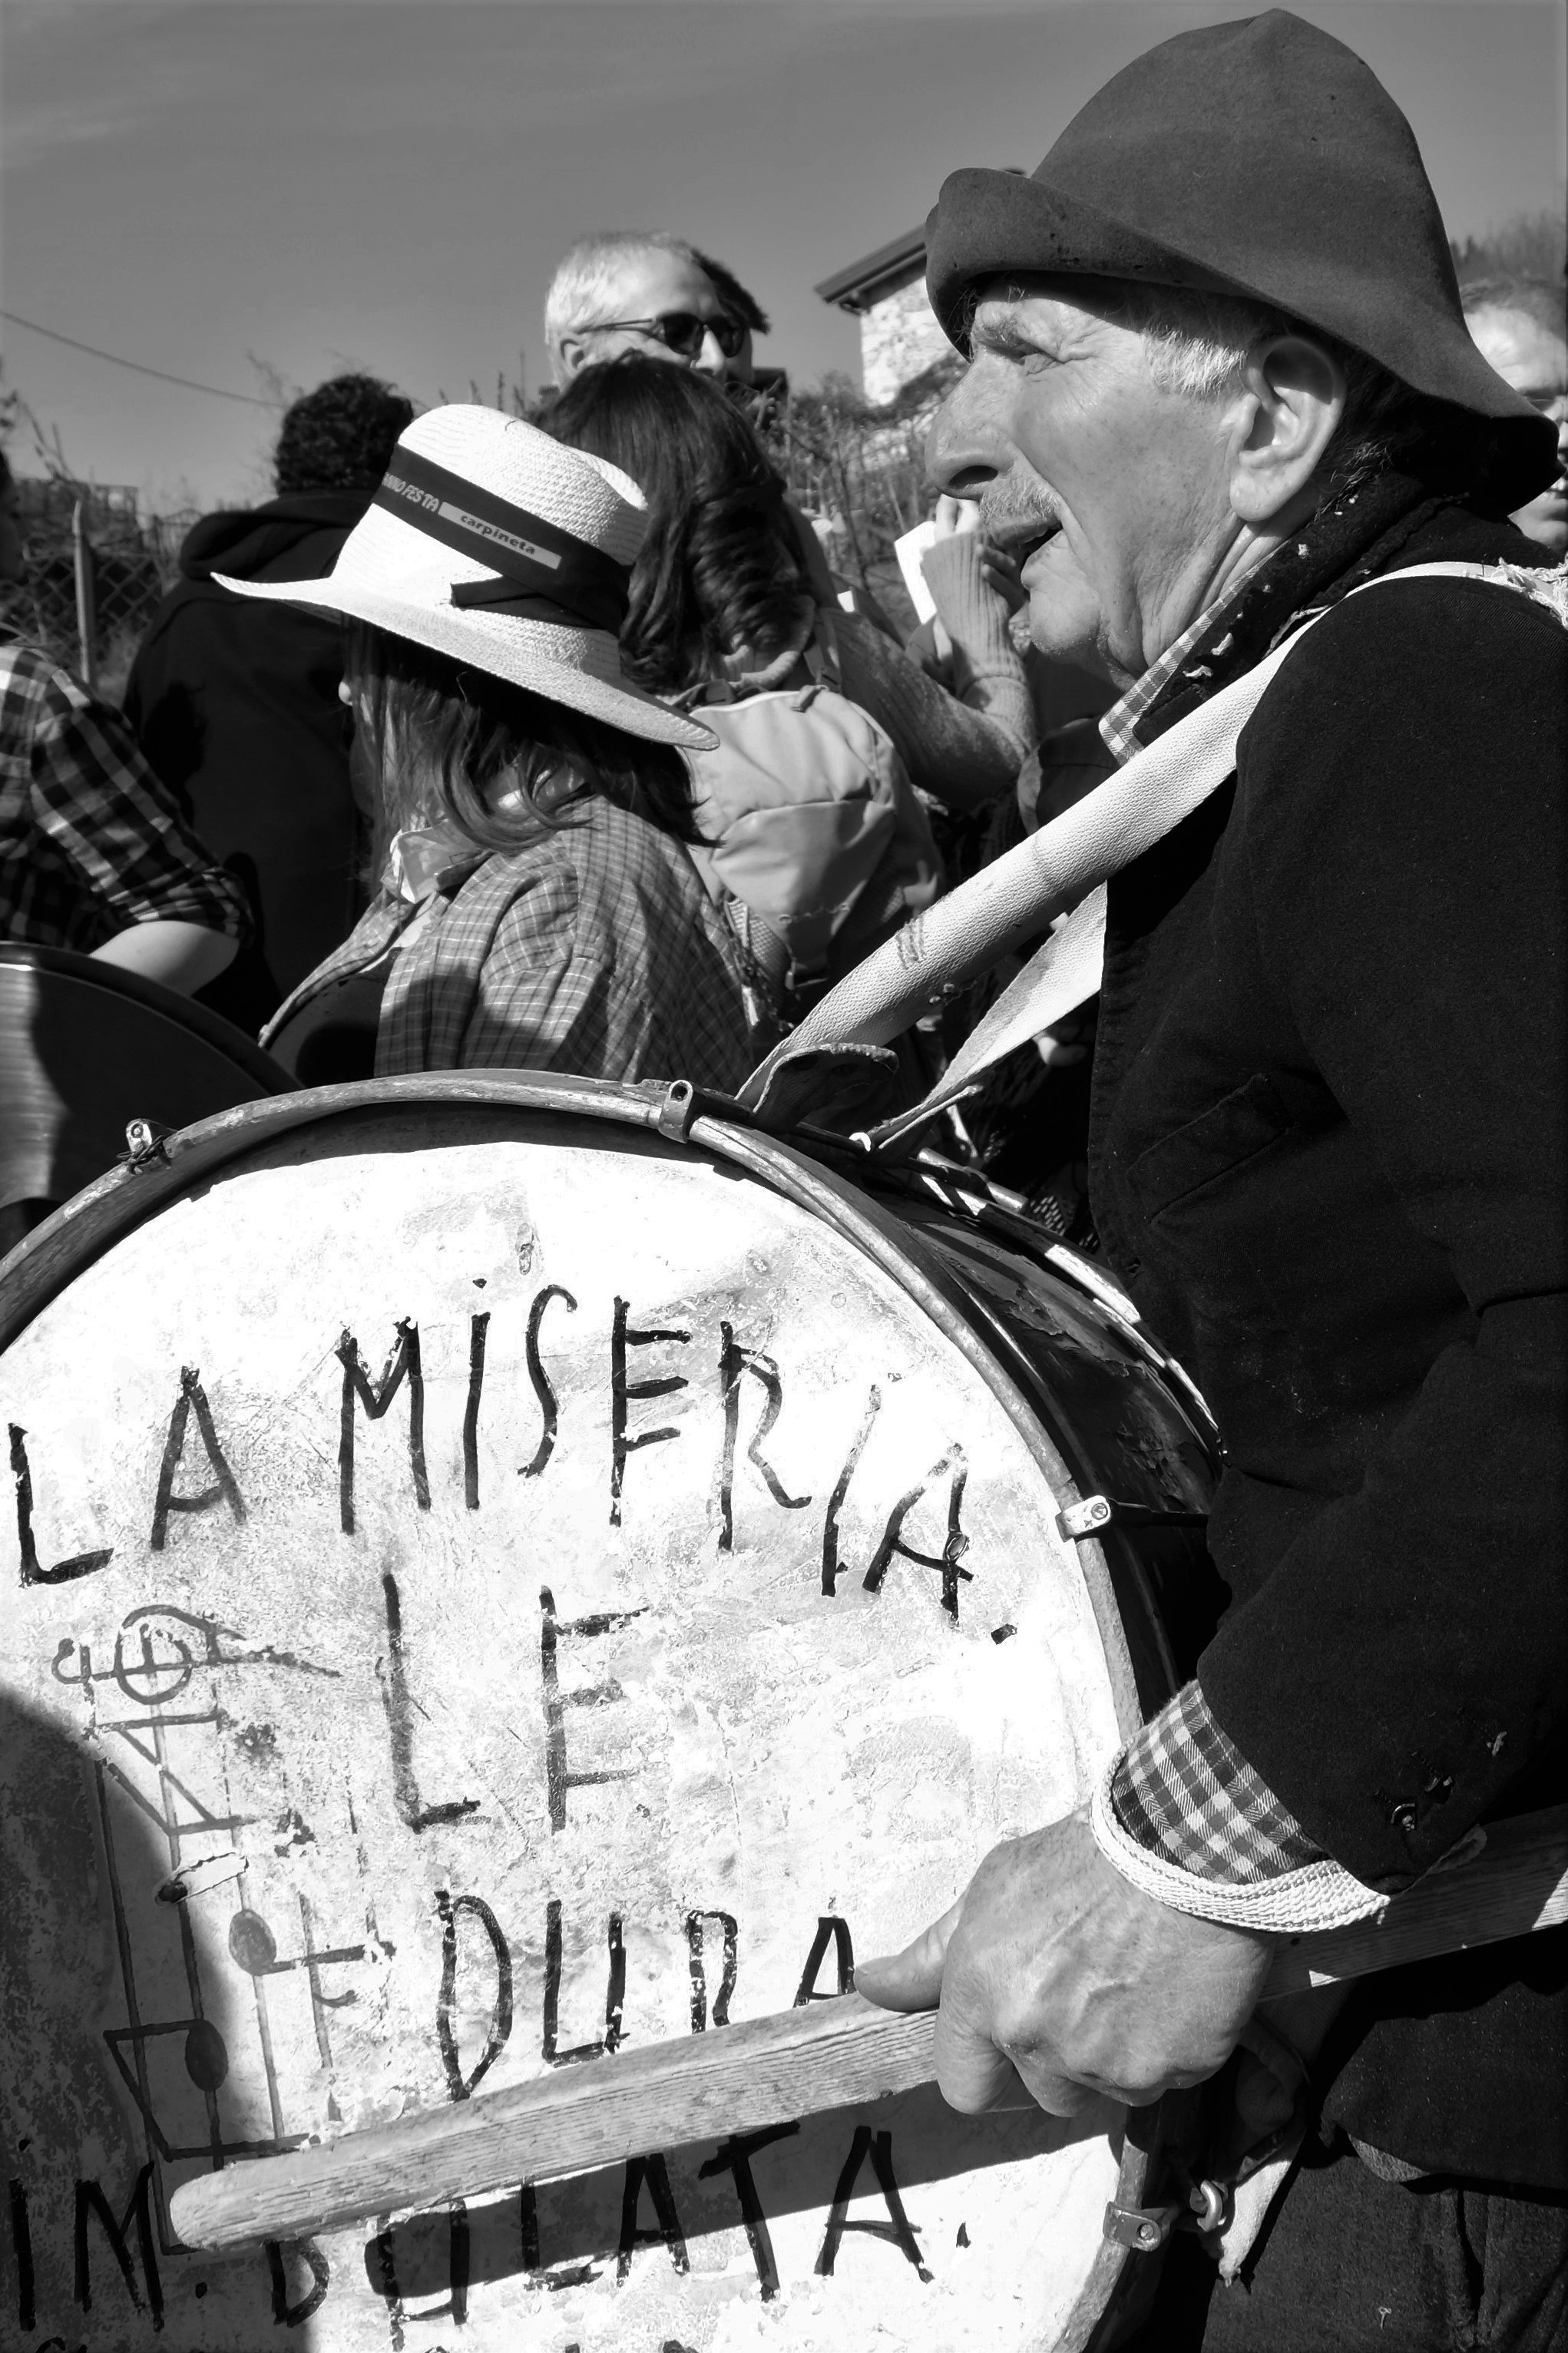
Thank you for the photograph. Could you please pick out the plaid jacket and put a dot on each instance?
(596, 950)
(90, 841)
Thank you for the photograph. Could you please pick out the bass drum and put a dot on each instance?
(85, 1049)
(509, 1568)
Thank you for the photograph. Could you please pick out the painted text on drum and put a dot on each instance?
(735, 1364)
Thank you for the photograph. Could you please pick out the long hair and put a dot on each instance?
(501, 765)
(719, 570)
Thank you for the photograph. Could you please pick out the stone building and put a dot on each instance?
(900, 338)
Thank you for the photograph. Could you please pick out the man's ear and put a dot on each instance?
(570, 355)
(1293, 400)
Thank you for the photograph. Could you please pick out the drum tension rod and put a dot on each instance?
(1145, 2228)
(144, 1145)
(1096, 1511)
(677, 1109)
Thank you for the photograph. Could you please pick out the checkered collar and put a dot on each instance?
(1119, 727)
(1353, 539)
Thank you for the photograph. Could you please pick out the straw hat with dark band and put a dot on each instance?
(488, 542)
(1260, 158)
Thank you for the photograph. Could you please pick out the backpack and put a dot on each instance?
(814, 843)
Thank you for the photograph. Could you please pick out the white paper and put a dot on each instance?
(909, 550)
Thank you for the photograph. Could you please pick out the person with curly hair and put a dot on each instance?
(236, 705)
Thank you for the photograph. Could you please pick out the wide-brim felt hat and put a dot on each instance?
(490, 542)
(1260, 158)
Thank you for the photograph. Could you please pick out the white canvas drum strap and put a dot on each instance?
(1063, 867)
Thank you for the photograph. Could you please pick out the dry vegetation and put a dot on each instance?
(860, 469)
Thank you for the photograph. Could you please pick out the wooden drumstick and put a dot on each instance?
(768, 2071)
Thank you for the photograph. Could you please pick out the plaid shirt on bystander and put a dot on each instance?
(90, 841)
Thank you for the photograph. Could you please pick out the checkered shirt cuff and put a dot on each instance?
(1184, 1792)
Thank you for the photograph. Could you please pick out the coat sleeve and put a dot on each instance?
(1404, 1661)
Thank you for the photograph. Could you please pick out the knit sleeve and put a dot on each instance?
(965, 753)
(972, 614)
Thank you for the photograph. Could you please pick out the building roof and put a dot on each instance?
(881, 273)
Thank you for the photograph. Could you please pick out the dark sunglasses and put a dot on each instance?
(682, 332)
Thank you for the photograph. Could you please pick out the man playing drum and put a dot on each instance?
(1218, 379)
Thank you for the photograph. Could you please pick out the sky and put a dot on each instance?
(257, 194)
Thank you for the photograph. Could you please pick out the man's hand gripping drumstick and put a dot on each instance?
(1054, 1971)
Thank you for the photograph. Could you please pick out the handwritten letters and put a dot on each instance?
(532, 1383)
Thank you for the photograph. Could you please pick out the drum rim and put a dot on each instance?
(213, 1029)
(127, 1196)
(74, 1236)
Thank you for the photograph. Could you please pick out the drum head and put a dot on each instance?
(494, 1586)
(86, 1048)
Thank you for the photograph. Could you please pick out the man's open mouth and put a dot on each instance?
(1025, 538)
(1037, 540)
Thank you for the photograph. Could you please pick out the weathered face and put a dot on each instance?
(1114, 491)
(1535, 362)
(651, 285)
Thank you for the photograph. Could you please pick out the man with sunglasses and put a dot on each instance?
(644, 292)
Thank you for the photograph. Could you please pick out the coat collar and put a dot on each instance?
(1353, 540)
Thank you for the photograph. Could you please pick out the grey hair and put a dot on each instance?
(583, 289)
(1197, 343)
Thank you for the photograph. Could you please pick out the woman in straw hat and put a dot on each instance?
(537, 905)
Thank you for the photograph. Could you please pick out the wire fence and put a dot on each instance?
(97, 568)
(99, 563)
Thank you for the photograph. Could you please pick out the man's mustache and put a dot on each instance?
(1016, 513)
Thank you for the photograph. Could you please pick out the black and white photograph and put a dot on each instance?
(783, 1176)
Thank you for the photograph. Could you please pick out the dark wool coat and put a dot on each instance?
(235, 703)
(1327, 1158)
